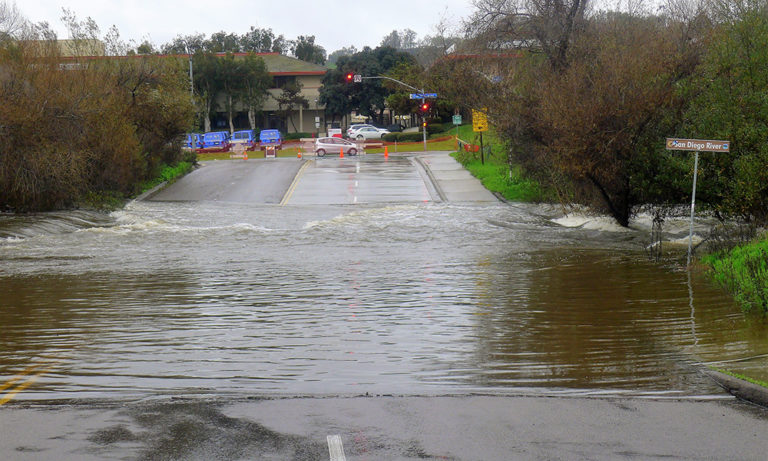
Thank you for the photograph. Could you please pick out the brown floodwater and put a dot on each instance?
(208, 298)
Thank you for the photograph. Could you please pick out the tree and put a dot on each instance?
(546, 25)
(368, 96)
(263, 41)
(346, 51)
(728, 102)
(146, 47)
(402, 40)
(231, 78)
(206, 84)
(304, 48)
(222, 42)
(185, 44)
(12, 23)
(256, 82)
(291, 98)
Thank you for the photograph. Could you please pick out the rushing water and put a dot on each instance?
(412, 299)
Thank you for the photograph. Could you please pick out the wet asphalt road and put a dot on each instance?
(386, 428)
(447, 427)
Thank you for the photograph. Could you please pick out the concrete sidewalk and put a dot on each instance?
(452, 181)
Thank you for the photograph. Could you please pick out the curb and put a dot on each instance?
(150, 193)
(432, 178)
(740, 389)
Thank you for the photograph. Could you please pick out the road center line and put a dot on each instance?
(24, 384)
(295, 183)
(336, 448)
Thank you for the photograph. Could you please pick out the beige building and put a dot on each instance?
(283, 69)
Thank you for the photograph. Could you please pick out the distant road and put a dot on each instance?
(249, 181)
(433, 176)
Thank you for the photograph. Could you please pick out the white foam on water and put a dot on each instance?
(583, 221)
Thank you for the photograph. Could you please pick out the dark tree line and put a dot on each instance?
(72, 127)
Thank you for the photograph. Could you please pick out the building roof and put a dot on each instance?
(277, 64)
(280, 64)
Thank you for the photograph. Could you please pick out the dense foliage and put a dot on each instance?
(369, 96)
(585, 99)
(70, 128)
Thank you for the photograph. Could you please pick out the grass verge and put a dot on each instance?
(743, 271)
(112, 200)
(167, 173)
(493, 168)
(742, 377)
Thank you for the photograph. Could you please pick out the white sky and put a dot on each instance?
(335, 24)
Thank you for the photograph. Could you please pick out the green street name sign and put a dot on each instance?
(699, 145)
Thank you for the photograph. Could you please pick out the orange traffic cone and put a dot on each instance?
(298, 155)
(386, 152)
(341, 153)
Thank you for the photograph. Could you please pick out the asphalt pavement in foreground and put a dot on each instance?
(386, 428)
(356, 428)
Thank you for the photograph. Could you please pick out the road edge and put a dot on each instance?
(432, 178)
(741, 389)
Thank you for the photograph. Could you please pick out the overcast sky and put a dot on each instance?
(335, 24)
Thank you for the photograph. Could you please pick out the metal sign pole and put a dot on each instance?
(693, 206)
(424, 123)
(696, 145)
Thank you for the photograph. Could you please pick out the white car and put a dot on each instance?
(368, 132)
(334, 146)
(354, 127)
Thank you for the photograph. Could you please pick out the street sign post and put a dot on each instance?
(423, 95)
(696, 145)
(480, 124)
(457, 122)
(479, 121)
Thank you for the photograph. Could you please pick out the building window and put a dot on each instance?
(282, 80)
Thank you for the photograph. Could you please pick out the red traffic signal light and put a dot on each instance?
(350, 76)
(425, 107)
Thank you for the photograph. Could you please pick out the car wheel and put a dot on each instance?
(353, 151)
(320, 152)
(360, 137)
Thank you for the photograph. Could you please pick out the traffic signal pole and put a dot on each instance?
(423, 100)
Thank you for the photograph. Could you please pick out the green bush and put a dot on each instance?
(410, 137)
(403, 137)
(293, 136)
(743, 271)
(433, 128)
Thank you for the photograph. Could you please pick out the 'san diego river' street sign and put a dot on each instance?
(701, 145)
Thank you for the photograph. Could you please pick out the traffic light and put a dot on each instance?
(425, 107)
(350, 76)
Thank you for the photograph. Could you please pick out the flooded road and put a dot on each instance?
(410, 297)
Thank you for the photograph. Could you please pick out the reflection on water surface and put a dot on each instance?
(413, 299)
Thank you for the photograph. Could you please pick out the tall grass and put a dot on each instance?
(493, 169)
(743, 271)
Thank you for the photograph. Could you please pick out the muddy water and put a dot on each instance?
(182, 298)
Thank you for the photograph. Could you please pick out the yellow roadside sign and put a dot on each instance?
(479, 121)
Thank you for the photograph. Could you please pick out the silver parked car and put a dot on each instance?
(368, 132)
(355, 127)
(334, 146)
